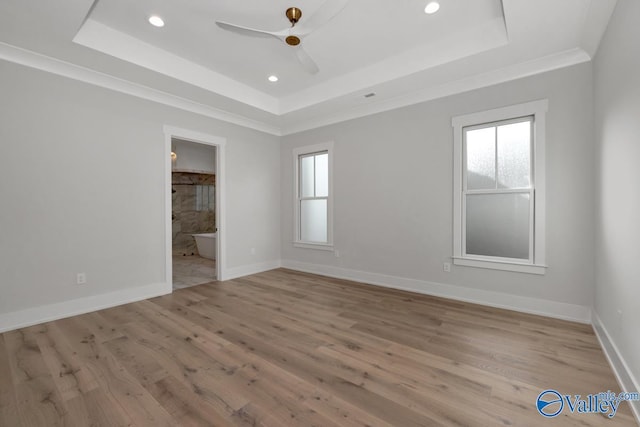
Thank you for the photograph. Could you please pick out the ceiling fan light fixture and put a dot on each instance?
(432, 7)
(292, 40)
(272, 78)
(156, 21)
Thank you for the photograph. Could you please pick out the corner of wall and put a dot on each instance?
(47, 313)
(246, 270)
(621, 369)
(558, 310)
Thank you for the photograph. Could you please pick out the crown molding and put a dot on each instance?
(512, 72)
(42, 62)
(107, 40)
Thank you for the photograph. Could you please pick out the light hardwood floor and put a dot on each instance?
(285, 348)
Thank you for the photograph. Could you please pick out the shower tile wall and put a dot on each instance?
(189, 214)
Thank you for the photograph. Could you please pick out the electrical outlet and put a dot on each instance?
(336, 253)
(253, 251)
(81, 279)
(446, 266)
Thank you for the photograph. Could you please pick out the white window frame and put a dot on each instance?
(537, 263)
(303, 151)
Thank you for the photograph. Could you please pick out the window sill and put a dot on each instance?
(316, 246)
(502, 265)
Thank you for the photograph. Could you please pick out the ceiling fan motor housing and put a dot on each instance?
(293, 14)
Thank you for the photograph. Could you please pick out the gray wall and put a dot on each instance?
(393, 190)
(82, 189)
(617, 131)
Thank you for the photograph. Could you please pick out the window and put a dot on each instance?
(499, 188)
(205, 198)
(313, 197)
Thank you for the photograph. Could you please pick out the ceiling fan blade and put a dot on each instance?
(307, 62)
(328, 10)
(253, 32)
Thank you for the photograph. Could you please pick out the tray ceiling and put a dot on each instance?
(391, 49)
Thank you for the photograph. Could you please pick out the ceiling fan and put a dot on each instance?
(294, 35)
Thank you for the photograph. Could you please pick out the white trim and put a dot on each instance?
(499, 114)
(297, 152)
(548, 308)
(621, 370)
(200, 138)
(501, 265)
(76, 72)
(538, 110)
(246, 270)
(60, 310)
(317, 246)
(308, 149)
(540, 177)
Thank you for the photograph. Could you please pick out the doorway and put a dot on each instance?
(194, 207)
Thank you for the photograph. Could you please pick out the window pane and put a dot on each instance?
(322, 175)
(212, 198)
(198, 197)
(306, 176)
(481, 158)
(313, 221)
(498, 225)
(514, 155)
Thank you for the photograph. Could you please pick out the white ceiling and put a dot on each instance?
(391, 48)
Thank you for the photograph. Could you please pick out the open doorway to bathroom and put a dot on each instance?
(193, 213)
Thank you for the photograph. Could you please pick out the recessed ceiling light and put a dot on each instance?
(432, 7)
(156, 21)
(273, 79)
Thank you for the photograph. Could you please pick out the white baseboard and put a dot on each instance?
(246, 270)
(623, 374)
(559, 310)
(47, 313)
(60, 310)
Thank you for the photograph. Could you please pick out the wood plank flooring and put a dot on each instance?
(284, 348)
